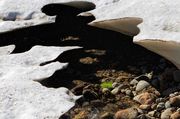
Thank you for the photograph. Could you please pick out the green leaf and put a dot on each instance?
(106, 84)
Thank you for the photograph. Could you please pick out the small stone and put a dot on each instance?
(176, 75)
(145, 107)
(175, 101)
(145, 98)
(129, 93)
(97, 103)
(153, 106)
(166, 113)
(89, 94)
(130, 113)
(82, 115)
(167, 104)
(175, 115)
(107, 115)
(105, 90)
(160, 106)
(158, 100)
(117, 89)
(142, 116)
(142, 85)
(134, 82)
(115, 84)
(152, 113)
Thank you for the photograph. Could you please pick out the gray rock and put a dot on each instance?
(134, 82)
(160, 106)
(142, 85)
(117, 89)
(167, 104)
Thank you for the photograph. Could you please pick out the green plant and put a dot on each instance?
(106, 84)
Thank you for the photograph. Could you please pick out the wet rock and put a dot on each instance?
(145, 98)
(175, 101)
(142, 85)
(105, 90)
(166, 113)
(175, 115)
(107, 115)
(130, 113)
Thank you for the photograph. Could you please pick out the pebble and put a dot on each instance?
(105, 90)
(145, 107)
(166, 113)
(97, 103)
(175, 115)
(152, 113)
(117, 89)
(167, 104)
(89, 94)
(142, 85)
(145, 98)
(176, 75)
(129, 92)
(158, 100)
(107, 115)
(115, 84)
(130, 113)
(175, 101)
(134, 82)
(160, 106)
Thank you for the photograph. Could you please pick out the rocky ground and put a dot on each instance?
(116, 78)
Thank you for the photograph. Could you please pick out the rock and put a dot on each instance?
(22, 96)
(175, 101)
(78, 89)
(166, 113)
(90, 94)
(107, 116)
(142, 85)
(149, 33)
(129, 93)
(175, 115)
(117, 89)
(145, 107)
(115, 84)
(167, 104)
(160, 106)
(176, 75)
(130, 113)
(82, 115)
(152, 113)
(105, 90)
(97, 103)
(134, 82)
(145, 98)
